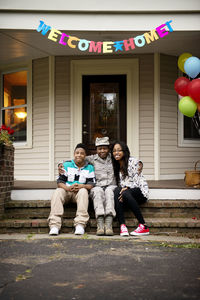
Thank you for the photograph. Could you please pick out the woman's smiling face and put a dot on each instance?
(118, 152)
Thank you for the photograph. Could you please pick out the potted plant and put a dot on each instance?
(6, 137)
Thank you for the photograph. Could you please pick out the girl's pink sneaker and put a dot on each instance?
(123, 230)
(141, 230)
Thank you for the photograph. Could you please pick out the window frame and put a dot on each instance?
(13, 69)
(181, 141)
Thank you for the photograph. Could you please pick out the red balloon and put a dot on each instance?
(194, 90)
(181, 85)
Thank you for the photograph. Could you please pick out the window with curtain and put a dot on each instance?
(14, 104)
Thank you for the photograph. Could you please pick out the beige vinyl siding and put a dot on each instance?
(174, 160)
(146, 114)
(62, 110)
(33, 164)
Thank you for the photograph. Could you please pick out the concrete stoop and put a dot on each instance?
(177, 217)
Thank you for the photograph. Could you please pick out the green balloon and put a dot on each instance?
(187, 106)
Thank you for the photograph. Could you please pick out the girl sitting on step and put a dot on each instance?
(132, 187)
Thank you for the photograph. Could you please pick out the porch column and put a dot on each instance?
(51, 116)
(156, 116)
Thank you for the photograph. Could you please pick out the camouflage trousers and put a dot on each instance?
(103, 200)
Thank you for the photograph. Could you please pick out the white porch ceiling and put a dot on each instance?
(19, 46)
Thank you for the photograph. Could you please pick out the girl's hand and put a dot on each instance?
(140, 167)
(121, 192)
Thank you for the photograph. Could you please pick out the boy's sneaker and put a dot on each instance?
(141, 230)
(54, 231)
(79, 229)
(123, 230)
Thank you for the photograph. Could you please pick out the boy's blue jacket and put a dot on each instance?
(73, 174)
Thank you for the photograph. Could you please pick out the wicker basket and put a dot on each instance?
(192, 178)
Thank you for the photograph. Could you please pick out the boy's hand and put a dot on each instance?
(76, 187)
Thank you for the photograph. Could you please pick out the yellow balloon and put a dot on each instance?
(181, 60)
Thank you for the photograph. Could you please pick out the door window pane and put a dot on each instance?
(104, 110)
(14, 110)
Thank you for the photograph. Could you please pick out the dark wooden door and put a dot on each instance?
(104, 108)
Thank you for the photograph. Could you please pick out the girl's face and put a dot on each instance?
(118, 152)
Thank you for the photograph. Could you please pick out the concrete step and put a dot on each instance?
(38, 194)
(176, 226)
(162, 216)
(31, 209)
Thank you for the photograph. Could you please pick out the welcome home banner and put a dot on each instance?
(67, 40)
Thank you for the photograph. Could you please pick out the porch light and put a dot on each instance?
(21, 114)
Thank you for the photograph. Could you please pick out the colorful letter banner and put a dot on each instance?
(74, 42)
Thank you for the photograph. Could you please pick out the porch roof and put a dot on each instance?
(21, 46)
(95, 21)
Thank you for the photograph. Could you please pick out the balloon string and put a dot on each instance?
(196, 124)
(198, 116)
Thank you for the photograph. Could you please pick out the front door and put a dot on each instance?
(104, 108)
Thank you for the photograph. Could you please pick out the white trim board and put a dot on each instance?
(155, 194)
(174, 194)
(51, 116)
(32, 194)
(129, 67)
(156, 116)
(99, 22)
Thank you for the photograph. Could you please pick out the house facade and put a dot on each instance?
(73, 71)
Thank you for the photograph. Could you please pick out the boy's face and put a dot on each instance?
(79, 155)
(103, 151)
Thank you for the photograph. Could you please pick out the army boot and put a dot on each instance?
(100, 225)
(108, 225)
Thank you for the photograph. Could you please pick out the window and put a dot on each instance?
(192, 127)
(14, 109)
(189, 130)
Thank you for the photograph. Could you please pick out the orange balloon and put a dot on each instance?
(198, 107)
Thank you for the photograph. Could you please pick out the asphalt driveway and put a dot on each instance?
(82, 268)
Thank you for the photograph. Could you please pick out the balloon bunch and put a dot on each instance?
(189, 87)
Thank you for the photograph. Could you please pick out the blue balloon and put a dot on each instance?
(192, 66)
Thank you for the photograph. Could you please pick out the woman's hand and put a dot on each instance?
(61, 169)
(140, 167)
(121, 192)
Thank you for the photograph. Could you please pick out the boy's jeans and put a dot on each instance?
(60, 196)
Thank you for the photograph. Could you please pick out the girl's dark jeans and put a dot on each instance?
(131, 198)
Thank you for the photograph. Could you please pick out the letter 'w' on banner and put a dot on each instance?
(43, 27)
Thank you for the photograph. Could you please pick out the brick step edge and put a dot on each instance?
(150, 203)
(154, 223)
(36, 213)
